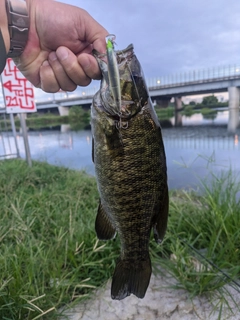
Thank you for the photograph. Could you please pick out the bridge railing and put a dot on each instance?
(207, 74)
(182, 78)
(80, 92)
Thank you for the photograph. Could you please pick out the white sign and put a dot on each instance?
(18, 91)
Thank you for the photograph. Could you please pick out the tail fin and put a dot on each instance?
(129, 278)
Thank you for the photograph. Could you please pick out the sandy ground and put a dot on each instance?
(160, 303)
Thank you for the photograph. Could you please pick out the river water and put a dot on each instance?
(194, 151)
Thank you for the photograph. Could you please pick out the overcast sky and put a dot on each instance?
(171, 36)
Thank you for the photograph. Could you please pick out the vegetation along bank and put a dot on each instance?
(50, 256)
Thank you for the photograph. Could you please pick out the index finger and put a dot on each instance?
(89, 65)
(71, 66)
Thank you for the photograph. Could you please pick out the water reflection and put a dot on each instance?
(192, 153)
(69, 149)
(197, 119)
(7, 146)
(236, 140)
(195, 153)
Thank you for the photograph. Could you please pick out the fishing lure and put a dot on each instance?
(113, 73)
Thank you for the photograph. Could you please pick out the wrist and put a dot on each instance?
(18, 26)
(4, 25)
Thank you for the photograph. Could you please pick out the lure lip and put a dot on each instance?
(110, 37)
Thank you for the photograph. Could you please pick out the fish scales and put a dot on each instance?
(131, 174)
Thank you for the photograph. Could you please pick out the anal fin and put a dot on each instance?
(161, 218)
(103, 225)
(92, 150)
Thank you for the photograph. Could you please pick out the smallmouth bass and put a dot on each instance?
(131, 173)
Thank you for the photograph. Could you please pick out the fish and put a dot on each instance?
(131, 172)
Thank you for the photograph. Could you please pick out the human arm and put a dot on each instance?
(4, 29)
(60, 41)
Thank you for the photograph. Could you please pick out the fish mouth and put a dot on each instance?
(128, 108)
(128, 51)
(134, 92)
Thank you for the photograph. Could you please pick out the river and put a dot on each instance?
(194, 151)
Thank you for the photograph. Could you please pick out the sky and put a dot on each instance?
(172, 36)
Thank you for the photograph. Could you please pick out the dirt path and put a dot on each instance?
(160, 303)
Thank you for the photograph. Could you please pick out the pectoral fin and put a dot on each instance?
(160, 218)
(103, 225)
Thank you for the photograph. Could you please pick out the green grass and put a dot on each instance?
(45, 120)
(164, 113)
(49, 252)
(78, 119)
(208, 113)
(50, 256)
(208, 224)
(188, 111)
(37, 121)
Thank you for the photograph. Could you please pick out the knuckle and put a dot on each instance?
(84, 82)
(69, 87)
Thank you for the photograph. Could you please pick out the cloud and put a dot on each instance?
(172, 36)
(175, 36)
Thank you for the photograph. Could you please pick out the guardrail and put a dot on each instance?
(195, 75)
(182, 78)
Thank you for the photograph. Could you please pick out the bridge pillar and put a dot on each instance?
(234, 99)
(163, 102)
(178, 108)
(65, 128)
(63, 111)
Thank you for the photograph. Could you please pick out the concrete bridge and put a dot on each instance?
(163, 89)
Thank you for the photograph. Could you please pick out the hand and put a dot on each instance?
(58, 51)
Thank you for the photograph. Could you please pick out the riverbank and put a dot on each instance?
(79, 117)
(162, 302)
(47, 220)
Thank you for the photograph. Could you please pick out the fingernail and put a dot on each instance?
(45, 63)
(84, 61)
(62, 53)
(52, 56)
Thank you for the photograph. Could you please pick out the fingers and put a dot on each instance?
(48, 81)
(72, 67)
(64, 70)
(89, 66)
(65, 83)
(53, 77)
(79, 70)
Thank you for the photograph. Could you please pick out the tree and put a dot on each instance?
(209, 100)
